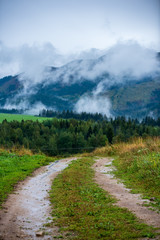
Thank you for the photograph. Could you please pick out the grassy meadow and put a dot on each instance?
(20, 117)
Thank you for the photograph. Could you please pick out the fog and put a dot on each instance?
(29, 61)
(125, 61)
(94, 104)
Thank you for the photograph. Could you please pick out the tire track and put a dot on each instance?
(28, 208)
(104, 177)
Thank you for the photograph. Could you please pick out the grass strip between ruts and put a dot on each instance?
(81, 206)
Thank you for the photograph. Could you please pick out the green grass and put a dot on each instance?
(137, 165)
(14, 168)
(140, 171)
(81, 207)
(20, 117)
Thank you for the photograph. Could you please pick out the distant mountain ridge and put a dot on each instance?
(62, 88)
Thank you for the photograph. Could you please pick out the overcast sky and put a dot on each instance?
(76, 25)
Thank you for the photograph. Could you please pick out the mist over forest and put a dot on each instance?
(39, 68)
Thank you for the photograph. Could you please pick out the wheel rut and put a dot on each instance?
(104, 177)
(27, 210)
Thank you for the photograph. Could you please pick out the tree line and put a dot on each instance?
(71, 114)
(60, 136)
(150, 121)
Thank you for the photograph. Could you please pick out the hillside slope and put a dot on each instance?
(62, 88)
(136, 99)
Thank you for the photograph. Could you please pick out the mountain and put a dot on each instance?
(136, 99)
(61, 88)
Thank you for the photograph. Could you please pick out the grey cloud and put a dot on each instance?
(125, 59)
(94, 104)
(29, 60)
(129, 60)
(29, 109)
(122, 62)
(36, 108)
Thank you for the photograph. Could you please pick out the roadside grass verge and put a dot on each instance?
(138, 165)
(17, 166)
(80, 206)
(140, 170)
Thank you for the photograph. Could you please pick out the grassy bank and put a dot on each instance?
(84, 208)
(20, 117)
(138, 165)
(15, 167)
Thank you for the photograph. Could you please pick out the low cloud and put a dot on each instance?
(27, 108)
(122, 62)
(29, 61)
(123, 59)
(129, 59)
(36, 108)
(94, 104)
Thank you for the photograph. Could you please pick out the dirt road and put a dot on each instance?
(28, 208)
(133, 202)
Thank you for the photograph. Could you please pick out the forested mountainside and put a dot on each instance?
(135, 99)
(87, 85)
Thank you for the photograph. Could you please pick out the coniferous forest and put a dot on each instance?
(60, 136)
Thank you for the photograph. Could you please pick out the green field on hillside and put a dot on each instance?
(19, 117)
